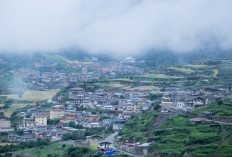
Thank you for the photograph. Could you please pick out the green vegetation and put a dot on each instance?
(145, 87)
(24, 145)
(135, 129)
(53, 149)
(110, 86)
(177, 136)
(34, 95)
(56, 58)
(183, 70)
(198, 66)
(159, 76)
(123, 80)
(220, 109)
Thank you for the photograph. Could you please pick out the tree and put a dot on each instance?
(53, 121)
(220, 102)
(72, 124)
(156, 106)
(114, 103)
(19, 132)
(122, 97)
(154, 96)
(2, 116)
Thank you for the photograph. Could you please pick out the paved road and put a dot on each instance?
(111, 139)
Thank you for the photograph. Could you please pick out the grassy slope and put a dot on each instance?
(136, 128)
(33, 95)
(160, 76)
(183, 70)
(30, 97)
(221, 111)
(53, 149)
(177, 135)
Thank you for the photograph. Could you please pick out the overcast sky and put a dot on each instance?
(114, 26)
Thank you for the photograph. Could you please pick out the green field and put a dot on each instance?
(198, 66)
(182, 70)
(122, 80)
(223, 110)
(30, 97)
(145, 87)
(34, 95)
(159, 76)
(109, 85)
(15, 107)
(62, 60)
(177, 136)
(52, 149)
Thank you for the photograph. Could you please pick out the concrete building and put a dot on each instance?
(5, 125)
(40, 119)
(57, 111)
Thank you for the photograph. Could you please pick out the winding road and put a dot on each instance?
(111, 140)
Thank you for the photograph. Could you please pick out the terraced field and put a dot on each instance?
(183, 70)
(33, 95)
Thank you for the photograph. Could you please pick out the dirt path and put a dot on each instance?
(224, 133)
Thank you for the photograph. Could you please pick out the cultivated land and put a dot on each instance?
(145, 87)
(177, 136)
(33, 95)
(183, 70)
(198, 66)
(52, 149)
(15, 107)
(159, 76)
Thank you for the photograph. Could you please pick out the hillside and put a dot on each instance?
(201, 73)
(177, 135)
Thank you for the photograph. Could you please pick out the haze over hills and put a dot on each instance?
(123, 28)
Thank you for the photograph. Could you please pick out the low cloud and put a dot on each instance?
(115, 26)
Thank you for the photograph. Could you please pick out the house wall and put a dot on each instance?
(4, 123)
(41, 120)
(56, 114)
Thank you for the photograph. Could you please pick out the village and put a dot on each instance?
(83, 108)
(47, 75)
(99, 104)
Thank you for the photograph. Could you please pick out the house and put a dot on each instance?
(76, 91)
(142, 149)
(17, 138)
(28, 122)
(57, 111)
(91, 117)
(117, 127)
(69, 115)
(40, 119)
(5, 125)
(91, 124)
(37, 119)
(196, 101)
(107, 107)
(81, 143)
(71, 130)
(200, 121)
(94, 139)
(104, 145)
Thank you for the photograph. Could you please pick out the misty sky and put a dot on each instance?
(114, 26)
